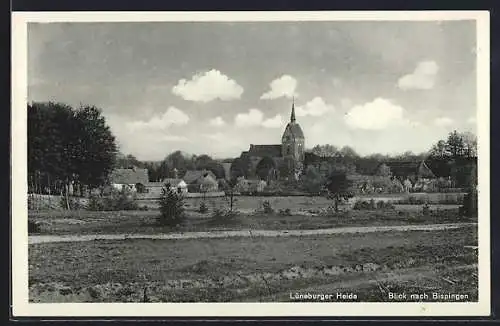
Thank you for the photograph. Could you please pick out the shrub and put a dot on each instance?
(285, 212)
(116, 201)
(171, 208)
(364, 205)
(74, 203)
(203, 208)
(384, 205)
(426, 210)
(33, 227)
(266, 206)
(122, 201)
(469, 207)
(222, 216)
(96, 204)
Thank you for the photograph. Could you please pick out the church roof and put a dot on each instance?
(265, 150)
(294, 129)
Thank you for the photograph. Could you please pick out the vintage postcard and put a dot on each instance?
(250, 164)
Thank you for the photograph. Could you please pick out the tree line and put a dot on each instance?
(75, 146)
(68, 147)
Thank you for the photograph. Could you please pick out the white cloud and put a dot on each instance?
(275, 122)
(255, 117)
(217, 122)
(173, 138)
(217, 136)
(315, 107)
(423, 77)
(207, 87)
(376, 115)
(443, 122)
(472, 120)
(252, 118)
(281, 87)
(346, 103)
(173, 116)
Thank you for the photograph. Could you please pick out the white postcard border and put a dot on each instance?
(21, 306)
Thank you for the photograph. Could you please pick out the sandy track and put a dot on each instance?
(36, 239)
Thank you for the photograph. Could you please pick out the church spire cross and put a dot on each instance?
(292, 117)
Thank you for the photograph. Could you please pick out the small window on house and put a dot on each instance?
(179, 190)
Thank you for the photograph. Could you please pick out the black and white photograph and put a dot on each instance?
(288, 158)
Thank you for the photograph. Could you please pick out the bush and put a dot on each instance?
(96, 204)
(74, 203)
(364, 205)
(116, 201)
(33, 227)
(285, 212)
(426, 210)
(266, 206)
(222, 216)
(384, 205)
(371, 205)
(203, 208)
(171, 208)
(469, 207)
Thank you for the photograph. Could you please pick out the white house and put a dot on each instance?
(129, 179)
(177, 185)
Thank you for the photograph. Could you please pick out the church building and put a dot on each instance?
(278, 161)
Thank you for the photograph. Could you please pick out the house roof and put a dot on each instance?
(208, 180)
(129, 176)
(172, 181)
(265, 150)
(154, 184)
(193, 176)
(404, 169)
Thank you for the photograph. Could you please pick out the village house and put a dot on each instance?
(201, 181)
(177, 185)
(412, 175)
(133, 179)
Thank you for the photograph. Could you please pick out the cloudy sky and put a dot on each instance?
(215, 88)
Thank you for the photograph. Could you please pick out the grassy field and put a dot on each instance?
(88, 222)
(254, 269)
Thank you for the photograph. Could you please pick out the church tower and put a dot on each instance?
(292, 142)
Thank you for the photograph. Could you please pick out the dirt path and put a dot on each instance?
(36, 239)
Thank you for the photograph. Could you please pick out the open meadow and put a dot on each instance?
(354, 255)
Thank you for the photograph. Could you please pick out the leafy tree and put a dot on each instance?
(384, 171)
(171, 207)
(217, 169)
(324, 150)
(97, 152)
(439, 151)
(455, 146)
(128, 161)
(265, 167)
(470, 144)
(240, 168)
(312, 180)
(201, 162)
(67, 145)
(339, 188)
(180, 161)
(230, 190)
(348, 152)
